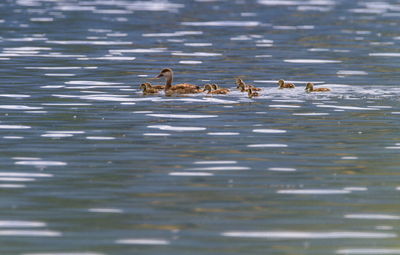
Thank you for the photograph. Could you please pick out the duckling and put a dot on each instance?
(243, 87)
(310, 88)
(251, 93)
(220, 90)
(147, 89)
(150, 86)
(183, 88)
(217, 90)
(283, 85)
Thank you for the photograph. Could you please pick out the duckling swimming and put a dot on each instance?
(148, 89)
(310, 88)
(150, 86)
(243, 87)
(283, 85)
(252, 93)
(214, 89)
(183, 88)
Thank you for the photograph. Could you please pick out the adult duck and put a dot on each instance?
(183, 88)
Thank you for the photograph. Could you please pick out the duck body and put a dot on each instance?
(148, 89)
(151, 86)
(252, 93)
(243, 87)
(283, 85)
(183, 88)
(215, 89)
(310, 88)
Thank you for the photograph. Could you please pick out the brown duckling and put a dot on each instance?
(148, 89)
(243, 87)
(150, 86)
(310, 88)
(214, 89)
(183, 88)
(283, 85)
(252, 93)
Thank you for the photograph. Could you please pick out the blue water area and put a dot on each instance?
(91, 166)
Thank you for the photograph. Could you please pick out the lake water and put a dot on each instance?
(90, 166)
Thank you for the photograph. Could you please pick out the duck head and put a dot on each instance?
(281, 83)
(309, 87)
(239, 83)
(208, 87)
(166, 72)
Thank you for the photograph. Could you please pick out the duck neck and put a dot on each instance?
(168, 83)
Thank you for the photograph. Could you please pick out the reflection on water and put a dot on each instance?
(90, 166)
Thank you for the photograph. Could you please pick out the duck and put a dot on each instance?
(243, 87)
(148, 89)
(283, 85)
(183, 88)
(310, 88)
(151, 86)
(214, 89)
(252, 93)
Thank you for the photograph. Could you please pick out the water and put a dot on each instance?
(92, 167)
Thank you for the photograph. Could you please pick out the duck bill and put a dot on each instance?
(159, 76)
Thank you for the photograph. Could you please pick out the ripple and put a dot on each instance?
(177, 33)
(77, 42)
(314, 191)
(271, 145)
(190, 174)
(372, 216)
(349, 72)
(182, 116)
(310, 235)
(14, 127)
(226, 23)
(19, 107)
(16, 179)
(174, 128)
(282, 169)
(223, 133)
(14, 95)
(143, 241)
(19, 174)
(156, 134)
(311, 61)
(386, 54)
(56, 135)
(105, 210)
(220, 168)
(190, 62)
(347, 107)
(283, 106)
(40, 163)
(96, 83)
(198, 44)
(65, 253)
(100, 137)
(196, 54)
(311, 114)
(212, 162)
(269, 131)
(42, 233)
(12, 186)
(367, 251)
(21, 224)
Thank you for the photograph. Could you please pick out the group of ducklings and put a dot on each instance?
(186, 88)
